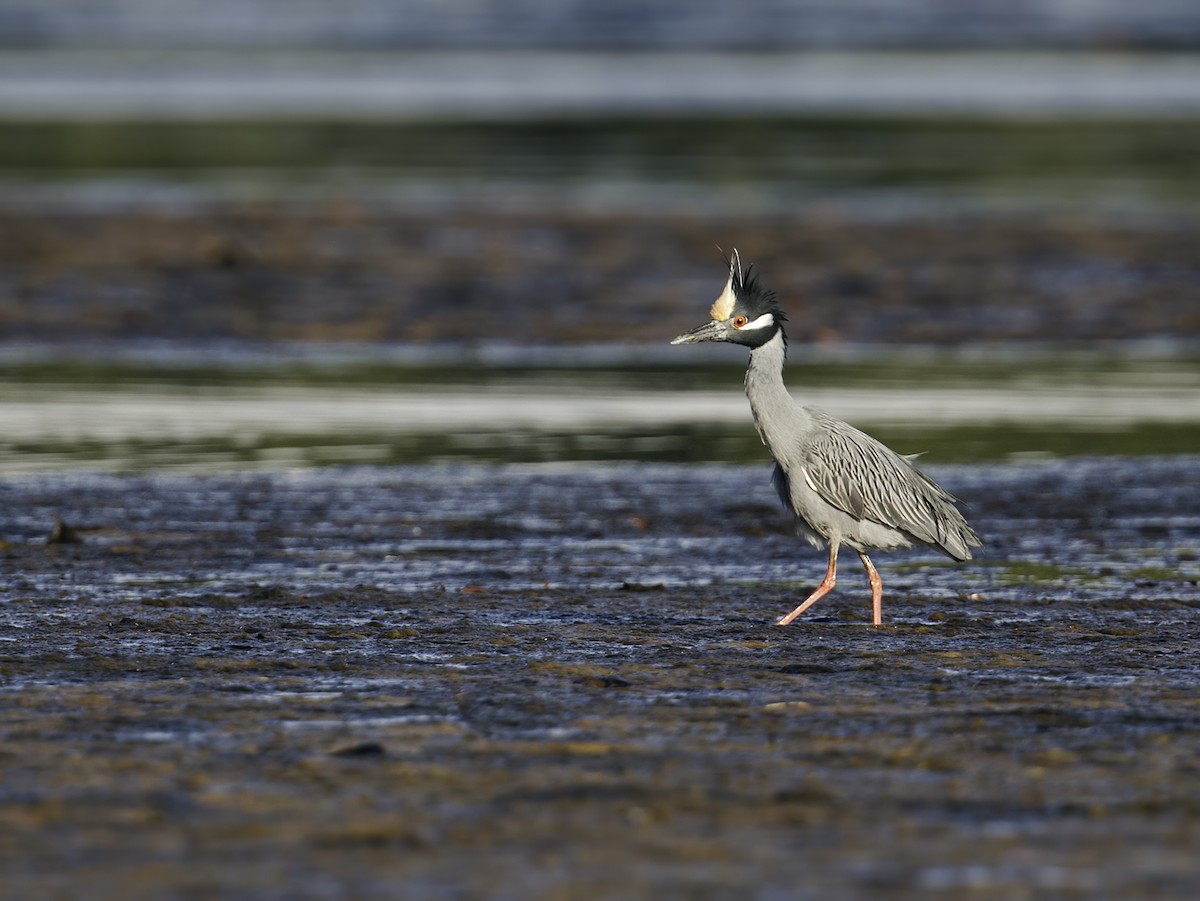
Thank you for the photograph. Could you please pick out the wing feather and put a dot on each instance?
(860, 476)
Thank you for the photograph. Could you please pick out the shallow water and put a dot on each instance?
(538, 84)
(834, 162)
(877, 135)
(207, 410)
(364, 26)
(324, 681)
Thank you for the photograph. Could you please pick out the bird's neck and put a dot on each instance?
(764, 374)
(772, 405)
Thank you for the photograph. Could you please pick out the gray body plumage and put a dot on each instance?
(842, 486)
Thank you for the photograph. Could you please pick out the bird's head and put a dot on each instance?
(745, 313)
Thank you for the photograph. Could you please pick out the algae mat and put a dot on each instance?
(554, 682)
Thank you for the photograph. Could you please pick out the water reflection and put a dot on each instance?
(260, 416)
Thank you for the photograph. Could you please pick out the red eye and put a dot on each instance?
(739, 321)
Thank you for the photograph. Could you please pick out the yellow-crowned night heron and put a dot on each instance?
(843, 486)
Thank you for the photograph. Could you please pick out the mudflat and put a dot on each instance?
(353, 270)
(563, 681)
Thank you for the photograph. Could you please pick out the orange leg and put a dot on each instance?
(876, 589)
(823, 589)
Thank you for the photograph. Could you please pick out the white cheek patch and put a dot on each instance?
(763, 321)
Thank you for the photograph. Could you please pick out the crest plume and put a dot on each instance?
(722, 307)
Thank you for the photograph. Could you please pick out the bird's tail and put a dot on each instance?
(958, 538)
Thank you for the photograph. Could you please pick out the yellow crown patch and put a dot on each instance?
(722, 307)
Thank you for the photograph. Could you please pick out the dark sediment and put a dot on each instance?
(350, 272)
(533, 683)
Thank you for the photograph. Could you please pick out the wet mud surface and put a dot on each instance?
(552, 682)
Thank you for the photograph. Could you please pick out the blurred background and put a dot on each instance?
(270, 233)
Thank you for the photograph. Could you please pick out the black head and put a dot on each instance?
(745, 313)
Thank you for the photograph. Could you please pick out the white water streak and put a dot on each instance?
(499, 84)
(45, 413)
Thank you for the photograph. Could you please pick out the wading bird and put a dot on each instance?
(842, 485)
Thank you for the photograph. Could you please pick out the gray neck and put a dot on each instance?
(776, 415)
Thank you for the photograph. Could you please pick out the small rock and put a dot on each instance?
(62, 533)
(362, 749)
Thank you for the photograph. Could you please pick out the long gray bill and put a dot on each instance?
(710, 331)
